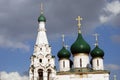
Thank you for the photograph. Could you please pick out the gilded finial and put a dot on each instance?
(96, 38)
(79, 23)
(41, 8)
(63, 36)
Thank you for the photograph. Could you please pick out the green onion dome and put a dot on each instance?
(64, 53)
(80, 45)
(41, 18)
(97, 52)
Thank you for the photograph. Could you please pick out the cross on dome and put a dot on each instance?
(63, 41)
(79, 23)
(96, 38)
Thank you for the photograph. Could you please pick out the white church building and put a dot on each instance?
(87, 64)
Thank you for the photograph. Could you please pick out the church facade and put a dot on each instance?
(43, 66)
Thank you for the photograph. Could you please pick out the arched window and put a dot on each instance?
(48, 60)
(40, 49)
(40, 60)
(40, 74)
(97, 62)
(80, 62)
(49, 72)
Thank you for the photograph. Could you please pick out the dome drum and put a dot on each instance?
(77, 54)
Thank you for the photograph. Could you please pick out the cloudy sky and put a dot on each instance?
(18, 30)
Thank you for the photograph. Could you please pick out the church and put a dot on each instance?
(87, 64)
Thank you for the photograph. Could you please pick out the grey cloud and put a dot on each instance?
(63, 14)
(112, 67)
(111, 13)
(13, 75)
(115, 21)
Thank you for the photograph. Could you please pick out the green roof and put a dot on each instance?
(83, 71)
(41, 18)
(80, 45)
(97, 52)
(64, 53)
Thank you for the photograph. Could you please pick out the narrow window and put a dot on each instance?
(63, 64)
(97, 62)
(48, 60)
(49, 72)
(41, 49)
(40, 74)
(80, 62)
(40, 60)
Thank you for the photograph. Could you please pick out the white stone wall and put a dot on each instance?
(41, 37)
(47, 63)
(103, 76)
(52, 62)
(62, 77)
(64, 64)
(85, 60)
(98, 64)
(42, 26)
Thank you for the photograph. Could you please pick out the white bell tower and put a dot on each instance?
(42, 65)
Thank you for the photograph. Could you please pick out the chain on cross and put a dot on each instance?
(79, 23)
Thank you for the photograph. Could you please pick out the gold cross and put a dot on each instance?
(79, 23)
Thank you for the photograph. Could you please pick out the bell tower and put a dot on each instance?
(42, 65)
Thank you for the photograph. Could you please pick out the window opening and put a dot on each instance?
(63, 64)
(40, 60)
(40, 74)
(49, 72)
(80, 62)
(97, 62)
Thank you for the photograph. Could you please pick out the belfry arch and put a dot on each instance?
(40, 74)
(48, 75)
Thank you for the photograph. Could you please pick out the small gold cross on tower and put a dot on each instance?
(63, 36)
(79, 23)
(41, 8)
(96, 38)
